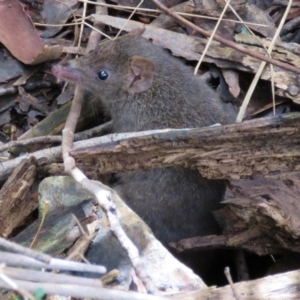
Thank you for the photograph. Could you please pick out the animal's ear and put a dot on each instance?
(137, 31)
(140, 77)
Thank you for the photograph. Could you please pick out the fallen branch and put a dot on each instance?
(268, 147)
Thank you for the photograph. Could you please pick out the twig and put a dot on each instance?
(103, 194)
(211, 37)
(95, 35)
(54, 154)
(262, 66)
(19, 260)
(77, 251)
(37, 140)
(45, 209)
(50, 277)
(269, 55)
(81, 291)
(228, 276)
(128, 19)
(15, 287)
(10, 246)
(96, 131)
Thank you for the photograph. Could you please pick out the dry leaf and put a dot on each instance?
(17, 32)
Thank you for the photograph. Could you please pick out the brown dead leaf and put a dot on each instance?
(232, 80)
(251, 13)
(293, 13)
(17, 32)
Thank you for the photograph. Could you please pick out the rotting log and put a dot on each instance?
(282, 286)
(261, 216)
(267, 147)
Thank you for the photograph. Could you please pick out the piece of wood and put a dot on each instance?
(15, 205)
(278, 287)
(261, 216)
(268, 147)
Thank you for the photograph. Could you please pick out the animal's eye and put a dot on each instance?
(102, 75)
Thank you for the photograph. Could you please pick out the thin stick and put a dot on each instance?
(13, 247)
(228, 276)
(129, 18)
(211, 37)
(262, 66)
